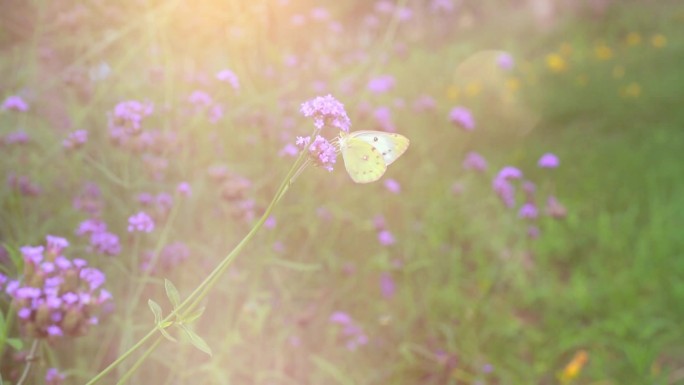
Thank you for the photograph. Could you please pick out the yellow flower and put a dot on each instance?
(632, 90)
(633, 38)
(556, 63)
(574, 367)
(603, 52)
(618, 72)
(658, 40)
(473, 89)
(513, 84)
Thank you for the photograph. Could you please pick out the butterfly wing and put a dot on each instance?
(364, 163)
(390, 145)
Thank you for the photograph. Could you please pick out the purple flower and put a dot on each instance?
(326, 110)
(229, 76)
(200, 99)
(341, 318)
(105, 243)
(528, 211)
(475, 161)
(270, 222)
(27, 292)
(424, 103)
(386, 238)
(533, 232)
(55, 245)
(91, 226)
(322, 152)
(15, 103)
(184, 188)
(126, 119)
(387, 286)
(548, 160)
(505, 61)
(509, 172)
(75, 139)
(17, 137)
(54, 330)
(463, 117)
(54, 377)
(392, 186)
(289, 150)
(70, 298)
(140, 222)
(505, 190)
(24, 313)
(32, 254)
(381, 84)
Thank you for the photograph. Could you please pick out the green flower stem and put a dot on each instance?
(203, 289)
(140, 360)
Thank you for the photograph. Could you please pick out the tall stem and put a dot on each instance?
(29, 362)
(203, 289)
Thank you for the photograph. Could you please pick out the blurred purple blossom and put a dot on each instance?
(463, 117)
(548, 160)
(184, 189)
(126, 118)
(475, 161)
(392, 186)
(75, 139)
(386, 238)
(15, 103)
(54, 377)
(505, 190)
(321, 151)
(381, 84)
(229, 77)
(528, 211)
(509, 172)
(140, 222)
(17, 137)
(387, 285)
(505, 61)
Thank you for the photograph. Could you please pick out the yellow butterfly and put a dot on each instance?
(367, 154)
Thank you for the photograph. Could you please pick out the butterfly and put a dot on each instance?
(367, 154)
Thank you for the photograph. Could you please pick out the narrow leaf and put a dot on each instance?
(16, 343)
(196, 340)
(172, 293)
(192, 317)
(167, 335)
(156, 310)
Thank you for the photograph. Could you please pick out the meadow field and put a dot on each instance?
(179, 205)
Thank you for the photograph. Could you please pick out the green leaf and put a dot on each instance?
(172, 293)
(196, 340)
(192, 317)
(16, 343)
(156, 310)
(167, 335)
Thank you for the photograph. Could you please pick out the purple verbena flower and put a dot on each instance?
(17, 137)
(126, 119)
(509, 172)
(54, 377)
(475, 161)
(528, 211)
(15, 103)
(381, 84)
(548, 160)
(323, 153)
(463, 117)
(505, 61)
(326, 110)
(392, 186)
(386, 238)
(140, 222)
(387, 285)
(229, 76)
(105, 243)
(75, 139)
(505, 190)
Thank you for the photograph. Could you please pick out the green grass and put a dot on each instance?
(471, 288)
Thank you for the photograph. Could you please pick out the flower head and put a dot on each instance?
(326, 110)
(475, 161)
(75, 139)
(381, 84)
(528, 211)
(392, 186)
(15, 103)
(463, 117)
(140, 222)
(229, 77)
(548, 160)
(321, 151)
(505, 61)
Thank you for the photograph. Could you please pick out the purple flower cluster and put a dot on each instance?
(75, 139)
(503, 187)
(229, 77)
(385, 237)
(54, 377)
(89, 199)
(126, 119)
(321, 151)
(16, 137)
(326, 111)
(140, 222)
(475, 161)
(463, 117)
(58, 296)
(352, 332)
(101, 241)
(23, 184)
(381, 84)
(15, 103)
